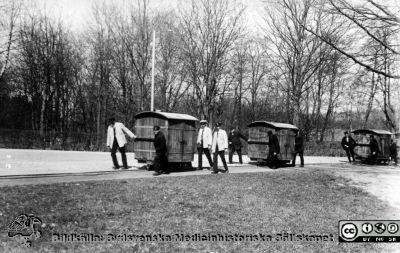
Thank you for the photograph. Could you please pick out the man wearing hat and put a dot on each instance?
(204, 142)
(116, 140)
(161, 158)
(348, 145)
(219, 145)
(235, 144)
(374, 150)
(273, 149)
(393, 151)
(298, 149)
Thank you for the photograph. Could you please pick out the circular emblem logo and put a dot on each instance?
(380, 227)
(392, 228)
(349, 231)
(367, 228)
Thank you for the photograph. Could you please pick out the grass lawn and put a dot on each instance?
(268, 203)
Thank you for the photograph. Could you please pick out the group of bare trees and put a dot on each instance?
(305, 65)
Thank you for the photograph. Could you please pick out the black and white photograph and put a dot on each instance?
(199, 126)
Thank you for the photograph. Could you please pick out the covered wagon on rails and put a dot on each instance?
(180, 133)
(257, 148)
(362, 151)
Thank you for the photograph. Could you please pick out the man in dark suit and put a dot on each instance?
(274, 149)
(235, 144)
(374, 148)
(348, 144)
(161, 158)
(298, 149)
(393, 151)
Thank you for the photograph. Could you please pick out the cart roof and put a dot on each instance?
(275, 125)
(166, 115)
(372, 131)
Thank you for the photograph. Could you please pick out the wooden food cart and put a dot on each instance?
(257, 148)
(179, 131)
(362, 151)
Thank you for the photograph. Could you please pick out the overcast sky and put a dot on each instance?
(76, 12)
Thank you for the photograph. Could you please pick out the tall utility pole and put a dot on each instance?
(152, 71)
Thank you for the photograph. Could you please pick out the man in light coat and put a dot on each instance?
(219, 146)
(204, 142)
(116, 140)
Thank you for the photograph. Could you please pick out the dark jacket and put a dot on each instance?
(373, 145)
(348, 144)
(234, 140)
(273, 144)
(160, 143)
(298, 144)
(393, 149)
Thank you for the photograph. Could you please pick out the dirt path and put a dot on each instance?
(380, 181)
(47, 166)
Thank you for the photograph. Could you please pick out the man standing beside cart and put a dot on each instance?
(374, 149)
(116, 140)
(161, 159)
(393, 151)
(235, 144)
(204, 142)
(298, 149)
(274, 149)
(219, 145)
(348, 144)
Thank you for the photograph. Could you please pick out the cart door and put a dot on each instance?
(257, 147)
(188, 141)
(181, 142)
(144, 142)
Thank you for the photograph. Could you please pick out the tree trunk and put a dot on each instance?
(42, 112)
